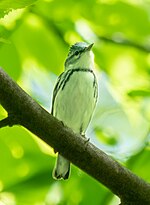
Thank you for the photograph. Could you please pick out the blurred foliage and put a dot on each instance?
(8, 5)
(34, 41)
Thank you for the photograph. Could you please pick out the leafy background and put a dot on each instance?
(34, 41)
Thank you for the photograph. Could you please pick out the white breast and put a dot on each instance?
(74, 104)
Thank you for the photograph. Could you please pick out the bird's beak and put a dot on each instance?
(89, 47)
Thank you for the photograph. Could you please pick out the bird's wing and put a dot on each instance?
(56, 89)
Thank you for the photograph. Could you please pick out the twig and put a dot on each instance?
(126, 42)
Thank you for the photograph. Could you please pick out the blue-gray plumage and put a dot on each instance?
(74, 97)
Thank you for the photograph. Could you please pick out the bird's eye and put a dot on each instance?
(76, 53)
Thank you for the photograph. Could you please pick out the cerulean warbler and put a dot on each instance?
(74, 97)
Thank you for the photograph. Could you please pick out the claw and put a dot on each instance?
(55, 151)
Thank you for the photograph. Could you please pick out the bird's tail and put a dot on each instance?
(62, 168)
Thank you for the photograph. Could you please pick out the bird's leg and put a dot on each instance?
(86, 139)
(62, 123)
(55, 151)
(83, 135)
(86, 142)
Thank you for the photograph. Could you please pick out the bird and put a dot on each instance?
(74, 97)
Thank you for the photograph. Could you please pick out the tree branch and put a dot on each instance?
(4, 122)
(125, 42)
(122, 182)
(9, 121)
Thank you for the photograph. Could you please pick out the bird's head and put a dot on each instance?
(80, 56)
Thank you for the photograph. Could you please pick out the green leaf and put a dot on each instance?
(20, 153)
(39, 44)
(10, 60)
(139, 93)
(8, 5)
(140, 163)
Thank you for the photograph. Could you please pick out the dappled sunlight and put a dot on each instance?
(16, 150)
(114, 19)
(38, 82)
(123, 70)
(9, 20)
(107, 1)
(34, 21)
(43, 146)
(7, 198)
(135, 2)
(23, 169)
(71, 37)
(85, 31)
(54, 195)
(1, 185)
(48, 0)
